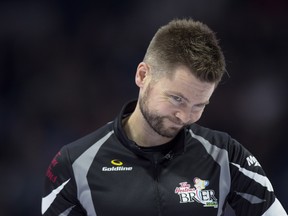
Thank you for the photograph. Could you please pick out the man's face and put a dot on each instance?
(172, 103)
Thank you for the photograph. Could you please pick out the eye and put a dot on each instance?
(199, 107)
(176, 99)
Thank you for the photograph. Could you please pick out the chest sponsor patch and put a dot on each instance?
(188, 194)
(117, 166)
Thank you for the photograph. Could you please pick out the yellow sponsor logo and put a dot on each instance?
(117, 166)
(116, 162)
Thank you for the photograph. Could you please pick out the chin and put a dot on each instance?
(172, 132)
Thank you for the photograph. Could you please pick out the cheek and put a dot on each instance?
(163, 110)
(162, 105)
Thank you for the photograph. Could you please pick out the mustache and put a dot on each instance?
(177, 121)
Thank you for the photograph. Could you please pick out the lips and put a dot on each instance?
(176, 122)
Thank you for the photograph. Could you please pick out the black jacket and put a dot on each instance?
(198, 173)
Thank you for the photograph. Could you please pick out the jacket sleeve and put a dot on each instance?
(60, 192)
(251, 192)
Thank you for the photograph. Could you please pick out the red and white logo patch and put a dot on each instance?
(188, 194)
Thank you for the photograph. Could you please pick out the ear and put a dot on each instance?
(142, 74)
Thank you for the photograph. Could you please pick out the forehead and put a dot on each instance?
(185, 83)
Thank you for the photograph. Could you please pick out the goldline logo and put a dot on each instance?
(116, 162)
(118, 166)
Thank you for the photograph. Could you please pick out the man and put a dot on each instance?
(153, 159)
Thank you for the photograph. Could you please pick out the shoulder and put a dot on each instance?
(237, 154)
(214, 137)
(96, 138)
(219, 140)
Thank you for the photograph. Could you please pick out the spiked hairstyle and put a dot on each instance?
(187, 43)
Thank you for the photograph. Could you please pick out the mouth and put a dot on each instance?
(176, 123)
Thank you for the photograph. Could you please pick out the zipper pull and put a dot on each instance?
(169, 156)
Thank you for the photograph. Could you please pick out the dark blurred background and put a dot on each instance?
(67, 67)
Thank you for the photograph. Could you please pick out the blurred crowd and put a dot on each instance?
(67, 67)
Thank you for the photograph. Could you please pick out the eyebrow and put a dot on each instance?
(185, 98)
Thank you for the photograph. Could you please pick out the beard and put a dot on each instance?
(157, 121)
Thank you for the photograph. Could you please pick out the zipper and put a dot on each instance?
(156, 163)
(156, 185)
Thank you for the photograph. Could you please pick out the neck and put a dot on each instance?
(138, 130)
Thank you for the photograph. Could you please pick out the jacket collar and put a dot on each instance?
(126, 110)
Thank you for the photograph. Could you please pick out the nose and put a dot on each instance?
(185, 117)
